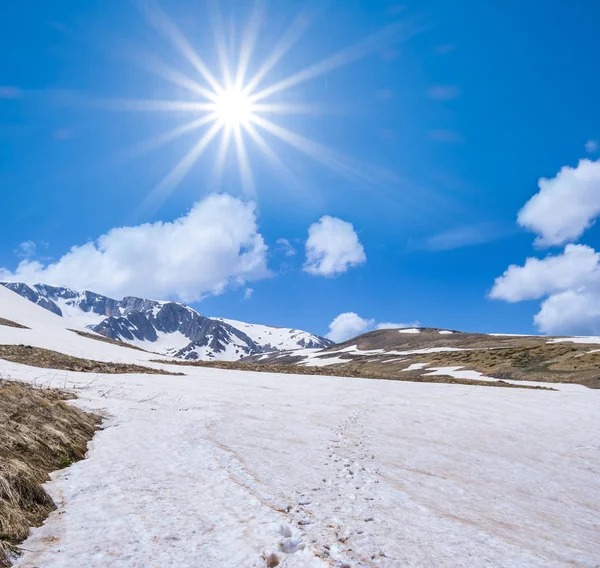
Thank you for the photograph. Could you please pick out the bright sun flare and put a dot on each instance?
(233, 105)
(233, 108)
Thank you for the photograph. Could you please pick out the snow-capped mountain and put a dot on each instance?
(169, 328)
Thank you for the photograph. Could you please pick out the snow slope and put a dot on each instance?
(219, 468)
(50, 331)
(277, 338)
(169, 328)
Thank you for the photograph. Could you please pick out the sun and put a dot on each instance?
(233, 108)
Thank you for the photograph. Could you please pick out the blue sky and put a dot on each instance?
(449, 121)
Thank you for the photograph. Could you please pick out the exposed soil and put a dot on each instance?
(10, 323)
(343, 371)
(46, 359)
(39, 433)
(98, 337)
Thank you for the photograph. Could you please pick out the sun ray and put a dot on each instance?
(285, 108)
(248, 42)
(169, 136)
(222, 154)
(339, 59)
(156, 105)
(230, 102)
(316, 151)
(161, 22)
(157, 67)
(289, 39)
(174, 177)
(220, 43)
(270, 154)
(243, 163)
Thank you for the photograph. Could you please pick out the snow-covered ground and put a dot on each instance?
(585, 339)
(216, 468)
(219, 468)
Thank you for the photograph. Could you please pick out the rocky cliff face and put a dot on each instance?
(169, 328)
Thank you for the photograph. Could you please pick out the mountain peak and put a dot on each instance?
(168, 328)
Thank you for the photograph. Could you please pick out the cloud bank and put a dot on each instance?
(568, 282)
(215, 245)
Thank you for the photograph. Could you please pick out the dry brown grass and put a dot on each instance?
(46, 359)
(39, 433)
(98, 337)
(347, 370)
(10, 323)
(552, 363)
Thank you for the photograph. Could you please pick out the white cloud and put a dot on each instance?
(591, 146)
(248, 293)
(216, 244)
(575, 312)
(570, 282)
(350, 324)
(578, 265)
(565, 206)
(285, 247)
(332, 247)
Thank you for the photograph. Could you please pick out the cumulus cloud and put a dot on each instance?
(332, 247)
(565, 205)
(574, 312)
(577, 266)
(350, 324)
(570, 284)
(216, 244)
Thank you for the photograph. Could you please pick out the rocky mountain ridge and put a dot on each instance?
(169, 328)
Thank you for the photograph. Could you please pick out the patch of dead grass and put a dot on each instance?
(10, 323)
(39, 433)
(47, 359)
(347, 370)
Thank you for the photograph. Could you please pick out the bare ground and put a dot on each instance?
(10, 323)
(39, 433)
(46, 359)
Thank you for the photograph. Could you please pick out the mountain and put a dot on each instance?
(168, 328)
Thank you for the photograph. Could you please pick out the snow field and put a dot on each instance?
(221, 468)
